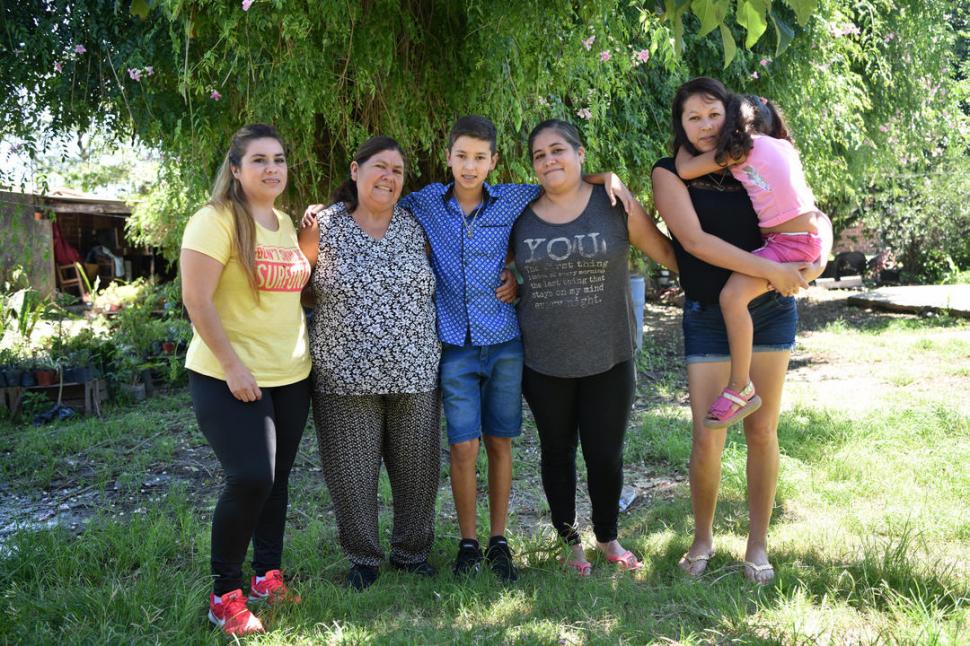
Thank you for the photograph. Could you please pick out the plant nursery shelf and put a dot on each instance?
(88, 395)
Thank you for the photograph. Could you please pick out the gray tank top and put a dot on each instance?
(575, 311)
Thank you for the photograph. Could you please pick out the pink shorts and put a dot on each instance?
(790, 247)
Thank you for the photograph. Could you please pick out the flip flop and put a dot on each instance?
(700, 558)
(758, 569)
(627, 561)
(583, 568)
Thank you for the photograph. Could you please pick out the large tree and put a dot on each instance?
(864, 82)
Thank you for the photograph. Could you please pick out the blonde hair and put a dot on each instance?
(228, 194)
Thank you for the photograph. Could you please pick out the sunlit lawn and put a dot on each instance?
(870, 539)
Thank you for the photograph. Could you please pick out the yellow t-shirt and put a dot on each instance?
(269, 335)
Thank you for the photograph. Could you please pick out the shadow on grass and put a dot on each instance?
(145, 580)
(806, 434)
(816, 316)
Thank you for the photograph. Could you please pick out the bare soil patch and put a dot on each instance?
(72, 501)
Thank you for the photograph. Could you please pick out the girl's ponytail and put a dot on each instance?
(775, 125)
(735, 139)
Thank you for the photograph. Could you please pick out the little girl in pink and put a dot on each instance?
(755, 145)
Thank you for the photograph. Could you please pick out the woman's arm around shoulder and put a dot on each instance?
(645, 236)
(309, 233)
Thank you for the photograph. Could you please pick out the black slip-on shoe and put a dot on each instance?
(499, 558)
(361, 576)
(469, 559)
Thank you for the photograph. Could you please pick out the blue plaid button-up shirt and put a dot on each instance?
(467, 267)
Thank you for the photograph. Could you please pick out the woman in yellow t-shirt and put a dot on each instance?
(242, 274)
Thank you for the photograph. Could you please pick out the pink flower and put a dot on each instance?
(605, 55)
(79, 49)
(890, 36)
(134, 73)
(585, 113)
(643, 56)
(149, 70)
(764, 62)
(883, 128)
(246, 4)
(57, 67)
(588, 43)
(755, 75)
(215, 96)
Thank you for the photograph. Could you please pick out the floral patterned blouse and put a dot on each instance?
(373, 328)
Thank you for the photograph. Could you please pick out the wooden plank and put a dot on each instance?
(104, 210)
(950, 299)
(846, 282)
(86, 396)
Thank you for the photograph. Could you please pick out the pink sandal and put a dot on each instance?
(582, 568)
(732, 406)
(627, 561)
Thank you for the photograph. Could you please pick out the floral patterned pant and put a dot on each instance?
(355, 433)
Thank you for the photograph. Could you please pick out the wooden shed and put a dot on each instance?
(93, 226)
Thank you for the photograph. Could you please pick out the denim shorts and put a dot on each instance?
(481, 390)
(775, 319)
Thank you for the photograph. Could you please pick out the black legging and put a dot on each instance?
(598, 407)
(256, 443)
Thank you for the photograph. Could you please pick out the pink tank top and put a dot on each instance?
(773, 177)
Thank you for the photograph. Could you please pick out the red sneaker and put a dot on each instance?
(272, 589)
(233, 616)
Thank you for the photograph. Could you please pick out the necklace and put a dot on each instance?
(468, 221)
(717, 179)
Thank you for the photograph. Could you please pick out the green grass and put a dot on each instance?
(870, 538)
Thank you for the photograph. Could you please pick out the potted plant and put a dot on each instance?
(7, 359)
(77, 366)
(45, 370)
(128, 372)
(27, 379)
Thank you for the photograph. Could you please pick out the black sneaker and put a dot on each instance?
(361, 576)
(469, 559)
(499, 558)
(421, 569)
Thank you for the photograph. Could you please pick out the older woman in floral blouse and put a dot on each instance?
(375, 358)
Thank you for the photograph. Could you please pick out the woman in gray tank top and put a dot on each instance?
(571, 246)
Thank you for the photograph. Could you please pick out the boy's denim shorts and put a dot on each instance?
(481, 390)
(775, 319)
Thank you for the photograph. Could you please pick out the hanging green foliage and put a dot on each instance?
(863, 83)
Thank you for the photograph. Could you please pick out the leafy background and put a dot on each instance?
(875, 90)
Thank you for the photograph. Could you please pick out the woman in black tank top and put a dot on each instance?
(714, 227)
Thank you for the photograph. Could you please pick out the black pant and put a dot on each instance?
(593, 410)
(256, 443)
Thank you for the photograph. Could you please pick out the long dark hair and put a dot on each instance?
(228, 194)
(347, 192)
(703, 85)
(746, 114)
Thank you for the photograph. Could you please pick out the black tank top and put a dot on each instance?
(724, 211)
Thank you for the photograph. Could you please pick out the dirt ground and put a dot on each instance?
(71, 505)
